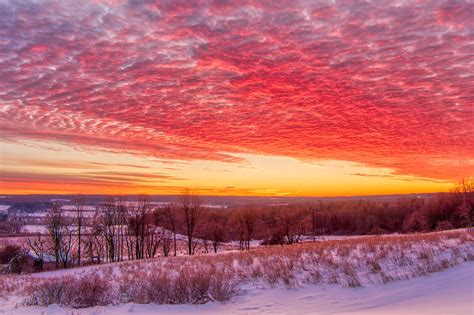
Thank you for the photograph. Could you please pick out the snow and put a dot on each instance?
(43, 229)
(30, 228)
(4, 208)
(74, 208)
(447, 292)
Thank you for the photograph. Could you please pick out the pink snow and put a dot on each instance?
(447, 292)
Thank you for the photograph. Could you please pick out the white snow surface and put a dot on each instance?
(30, 228)
(447, 292)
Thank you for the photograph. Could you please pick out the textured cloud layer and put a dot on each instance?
(387, 84)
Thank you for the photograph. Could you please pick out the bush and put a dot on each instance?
(8, 253)
(139, 288)
(18, 263)
(15, 258)
(70, 291)
(87, 292)
(378, 231)
(48, 292)
(223, 287)
(444, 225)
(187, 286)
(10, 227)
(38, 264)
(192, 286)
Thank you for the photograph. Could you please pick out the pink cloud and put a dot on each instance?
(388, 85)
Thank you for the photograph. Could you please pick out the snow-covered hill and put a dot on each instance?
(352, 275)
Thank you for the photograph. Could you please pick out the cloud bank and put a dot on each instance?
(387, 84)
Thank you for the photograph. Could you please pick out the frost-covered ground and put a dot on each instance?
(377, 274)
(4, 208)
(447, 292)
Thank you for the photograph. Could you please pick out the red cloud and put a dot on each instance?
(386, 85)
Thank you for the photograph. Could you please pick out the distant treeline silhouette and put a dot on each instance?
(127, 230)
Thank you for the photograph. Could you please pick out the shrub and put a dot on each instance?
(70, 291)
(444, 225)
(374, 266)
(87, 292)
(192, 286)
(50, 291)
(160, 288)
(187, 286)
(223, 287)
(8, 252)
(14, 257)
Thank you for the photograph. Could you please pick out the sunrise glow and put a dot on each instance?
(307, 98)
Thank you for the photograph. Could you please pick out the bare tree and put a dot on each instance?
(109, 229)
(153, 237)
(190, 210)
(66, 244)
(137, 227)
(79, 209)
(463, 192)
(60, 235)
(94, 241)
(38, 247)
(290, 221)
(171, 221)
(121, 221)
(250, 218)
(217, 235)
(166, 241)
(245, 220)
(55, 231)
(238, 224)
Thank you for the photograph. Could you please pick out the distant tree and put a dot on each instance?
(166, 243)
(108, 228)
(79, 209)
(190, 206)
(153, 235)
(10, 227)
(38, 246)
(66, 245)
(95, 240)
(312, 210)
(137, 225)
(463, 193)
(416, 222)
(170, 221)
(238, 224)
(217, 235)
(121, 219)
(56, 230)
(463, 215)
(250, 220)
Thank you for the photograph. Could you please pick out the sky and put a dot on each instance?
(278, 98)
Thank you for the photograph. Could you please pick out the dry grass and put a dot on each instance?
(198, 279)
(70, 291)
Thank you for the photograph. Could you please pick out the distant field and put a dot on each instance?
(213, 200)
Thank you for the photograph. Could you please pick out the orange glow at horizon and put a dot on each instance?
(97, 172)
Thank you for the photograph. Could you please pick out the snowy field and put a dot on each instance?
(4, 208)
(429, 273)
(447, 292)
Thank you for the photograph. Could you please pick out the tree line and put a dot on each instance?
(126, 230)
